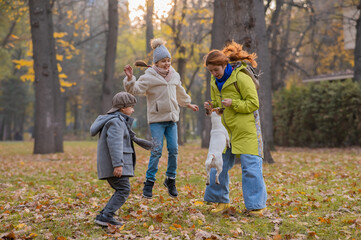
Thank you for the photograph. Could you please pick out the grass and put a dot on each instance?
(312, 194)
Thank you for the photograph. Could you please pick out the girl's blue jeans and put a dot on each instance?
(253, 186)
(158, 131)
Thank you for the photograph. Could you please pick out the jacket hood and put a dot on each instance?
(101, 120)
(99, 123)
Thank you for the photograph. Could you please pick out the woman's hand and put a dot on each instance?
(193, 107)
(227, 102)
(118, 171)
(207, 106)
(128, 70)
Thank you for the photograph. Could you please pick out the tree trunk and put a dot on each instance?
(206, 126)
(217, 42)
(357, 69)
(181, 67)
(265, 92)
(149, 33)
(46, 81)
(246, 25)
(110, 54)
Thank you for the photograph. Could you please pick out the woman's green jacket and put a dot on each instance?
(241, 118)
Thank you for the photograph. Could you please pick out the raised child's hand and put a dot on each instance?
(118, 171)
(128, 70)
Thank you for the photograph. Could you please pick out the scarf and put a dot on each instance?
(166, 74)
(227, 73)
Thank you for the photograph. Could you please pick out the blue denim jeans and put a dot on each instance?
(158, 131)
(253, 186)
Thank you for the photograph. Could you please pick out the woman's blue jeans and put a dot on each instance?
(253, 186)
(158, 131)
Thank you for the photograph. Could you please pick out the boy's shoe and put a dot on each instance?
(221, 207)
(257, 212)
(103, 220)
(170, 184)
(148, 189)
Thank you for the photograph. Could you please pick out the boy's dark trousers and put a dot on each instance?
(122, 190)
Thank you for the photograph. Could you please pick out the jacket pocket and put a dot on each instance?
(163, 106)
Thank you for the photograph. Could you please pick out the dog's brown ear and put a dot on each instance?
(218, 110)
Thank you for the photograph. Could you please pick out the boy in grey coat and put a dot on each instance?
(115, 154)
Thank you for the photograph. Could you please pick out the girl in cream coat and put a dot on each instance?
(162, 86)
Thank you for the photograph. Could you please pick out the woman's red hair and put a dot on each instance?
(233, 52)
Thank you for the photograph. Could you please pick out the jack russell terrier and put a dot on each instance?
(219, 140)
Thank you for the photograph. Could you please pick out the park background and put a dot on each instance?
(61, 61)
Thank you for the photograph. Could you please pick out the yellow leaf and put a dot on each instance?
(122, 227)
(20, 226)
(198, 203)
(14, 36)
(59, 67)
(63, 76)
(29, 77)
(59, 57)
(32, 235)
(177, 225)
(172, 228)
(60, 34)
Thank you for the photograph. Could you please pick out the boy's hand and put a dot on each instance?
(128, 70)
(193, 107)
(118, 171)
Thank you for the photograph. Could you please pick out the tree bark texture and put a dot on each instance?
(357, 69)
(149, 32)
(110, 54)
(265, 92)
(47, 131)
(246, 25)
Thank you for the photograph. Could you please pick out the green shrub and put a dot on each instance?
(325, 114)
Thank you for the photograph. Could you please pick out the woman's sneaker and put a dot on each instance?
(221, 207)
(170, 185)
(257, 212)
(103, 220)
(148, 189)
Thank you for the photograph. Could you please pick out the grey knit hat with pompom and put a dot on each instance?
(159, 50)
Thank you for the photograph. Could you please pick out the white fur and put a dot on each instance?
(219, 140)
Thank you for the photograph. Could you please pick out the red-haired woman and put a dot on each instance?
(234, 90)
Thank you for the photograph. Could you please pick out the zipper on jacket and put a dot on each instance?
(224, 119)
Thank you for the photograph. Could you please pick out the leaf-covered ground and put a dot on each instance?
(313, 194)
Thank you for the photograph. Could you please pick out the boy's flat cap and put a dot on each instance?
(122, 100)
